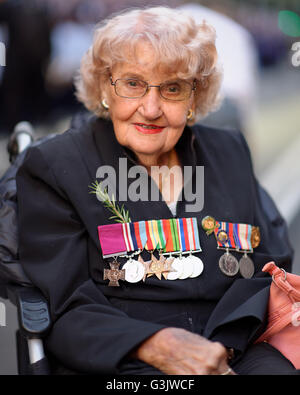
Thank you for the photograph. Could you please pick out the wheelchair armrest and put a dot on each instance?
(33, 312)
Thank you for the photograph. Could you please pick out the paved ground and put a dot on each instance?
(275, 144)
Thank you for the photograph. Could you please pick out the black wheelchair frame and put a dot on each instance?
(32, 307)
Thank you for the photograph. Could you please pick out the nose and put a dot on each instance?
(150, 106)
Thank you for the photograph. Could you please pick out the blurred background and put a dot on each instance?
(45, 40)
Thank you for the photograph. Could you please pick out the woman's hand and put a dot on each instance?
(178, 351)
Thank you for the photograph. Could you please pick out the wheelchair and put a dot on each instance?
(33, 313)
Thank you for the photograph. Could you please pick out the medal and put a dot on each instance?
(229, 264)
(177, 267)
(222, 236)
(114, 274)
(188, 268)
(208, 224)
(146, 266)
(157, 267)
(174, 235)
(255, 237)
(243, 234)
(225, 240)
(246, 265)
(197, 266)
(239, 237)
(134, 271)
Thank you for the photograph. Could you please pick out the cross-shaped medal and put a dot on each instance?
(114, 274)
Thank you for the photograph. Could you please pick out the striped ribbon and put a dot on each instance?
(242, 235)
(227, 227)
(167, 235)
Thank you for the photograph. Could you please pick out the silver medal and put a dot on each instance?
(188, 268)
(134, 271)
(247, 268)
(177, 267)
(229, 264)
(198, 266)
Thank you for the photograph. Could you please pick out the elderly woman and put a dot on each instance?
(148, 76)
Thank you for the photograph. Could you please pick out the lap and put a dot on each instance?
(263, 359)
(259, 359)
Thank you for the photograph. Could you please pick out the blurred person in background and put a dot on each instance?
(23, 94)
(239, 58)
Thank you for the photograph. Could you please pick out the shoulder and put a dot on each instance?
(218, 136)
(66, 147)
(222, 143)
(61, 159)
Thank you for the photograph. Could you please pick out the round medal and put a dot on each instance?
(177, 266)
(188, 268)
(208, 224)
(247, 268)
(222, 236)
(229, 264)
(197, 264)
(134, 271)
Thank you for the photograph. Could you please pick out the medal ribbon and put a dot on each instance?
(152, 235)
(180, 233)
(142, 234)
(166, 226)
(242, 235)
(174, 233)
(127, 236)
(162, 237)
(111, 239)
(133, 236)
(196, 234)
(188, 234)
(228, 228)
(167, 235)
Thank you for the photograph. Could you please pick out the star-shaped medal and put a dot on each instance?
(146, 266)
(168, 267)
(157, 266)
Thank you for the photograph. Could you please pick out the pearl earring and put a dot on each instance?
(104, 104)
(190, 114)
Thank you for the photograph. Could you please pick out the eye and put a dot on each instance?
(173, 88)
(133, 84)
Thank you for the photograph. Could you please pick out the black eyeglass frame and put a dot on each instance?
(193, 86)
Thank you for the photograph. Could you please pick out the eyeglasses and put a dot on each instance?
(177, 90)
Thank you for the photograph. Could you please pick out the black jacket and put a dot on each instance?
(96, 326)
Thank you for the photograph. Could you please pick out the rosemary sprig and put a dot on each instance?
(120, 214)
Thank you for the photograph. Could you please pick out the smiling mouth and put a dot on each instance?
(142, 127)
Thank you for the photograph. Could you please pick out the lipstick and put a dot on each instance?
(148, 128)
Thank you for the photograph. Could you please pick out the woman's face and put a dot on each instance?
(149, 125)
